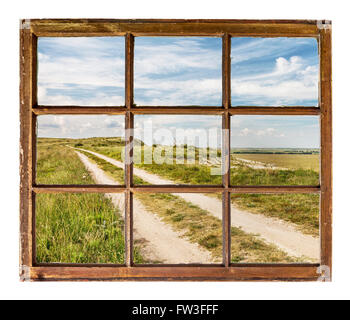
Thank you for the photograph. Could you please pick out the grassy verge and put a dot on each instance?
(200, 226)
(201, 174)
(57, 164)
(74, 228)
(78, 228)
(300, 209)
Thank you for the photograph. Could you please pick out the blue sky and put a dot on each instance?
(275, 132)
(178, 71)
(181, 71)
(274, 71)
(81, 71)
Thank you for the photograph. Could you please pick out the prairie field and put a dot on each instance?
(289, 161)
(74, 228)
(80, 228)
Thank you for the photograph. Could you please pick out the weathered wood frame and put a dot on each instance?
(29, 110)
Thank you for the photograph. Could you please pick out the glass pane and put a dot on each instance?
(276, 228)
(275, 150)
(171, 149)
(84, 71)
(80, 228)
(77, 149)
(178, 228)
(178, 71)
(274, 71)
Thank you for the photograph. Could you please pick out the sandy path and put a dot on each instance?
(160, 243)
(275, 231)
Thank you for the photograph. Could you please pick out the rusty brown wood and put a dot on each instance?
(275, 189)
(237, 273)
(129, 137)
(226, 228)
(129, 29)
(90, 27)
(129, 70)
(219, 110)
(42, 110)
(297, 110)
(226, 71)
(226, 146)
(176, 189)
(27, 56)
(173, 189)
(34, 149)
(78, 189)
(178, 110)
(326, 147)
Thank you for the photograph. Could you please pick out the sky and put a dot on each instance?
(275, 131)
(274, 71)
(181, 71)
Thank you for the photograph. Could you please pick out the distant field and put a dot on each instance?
(290, 161)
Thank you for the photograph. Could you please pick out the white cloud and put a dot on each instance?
(76, 71)
(80, 126)
(291, 81)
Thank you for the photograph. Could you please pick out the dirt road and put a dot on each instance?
(159, 242)
(284, 235)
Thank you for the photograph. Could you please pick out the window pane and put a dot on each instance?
(275, 150)
(84, 71)
(172, 149)
(178, 228)
(274, 71)
(80, 228)
(277, 228)
(77, 149)
(178, 71)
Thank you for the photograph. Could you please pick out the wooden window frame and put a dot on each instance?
(30, 30)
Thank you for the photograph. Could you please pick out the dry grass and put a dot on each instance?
(290, 161)
(199, 226)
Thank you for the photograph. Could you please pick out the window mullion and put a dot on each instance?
(226, 98)
(129, 127)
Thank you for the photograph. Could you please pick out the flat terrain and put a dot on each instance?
(74, 228)
(289, 161)
(185, 216)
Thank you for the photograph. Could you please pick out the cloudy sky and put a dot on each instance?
(181, 71)
(274, 71)
(275, 132)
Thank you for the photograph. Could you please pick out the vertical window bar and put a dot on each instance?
(129, 127)
(326, 147)
(226, 96)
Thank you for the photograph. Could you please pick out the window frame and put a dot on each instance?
(30, 30)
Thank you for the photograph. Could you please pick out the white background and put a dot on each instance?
(11, 288)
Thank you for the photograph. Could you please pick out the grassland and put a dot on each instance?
(74, 228)
(200, 226)
(289, 161)
(300, 209)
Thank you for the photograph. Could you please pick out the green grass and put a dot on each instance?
(201, 174)
(290, 161)
(57, 164)
(199, 226)
(300, 209)
(74, 228)
(245, 176)
(78, 228)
